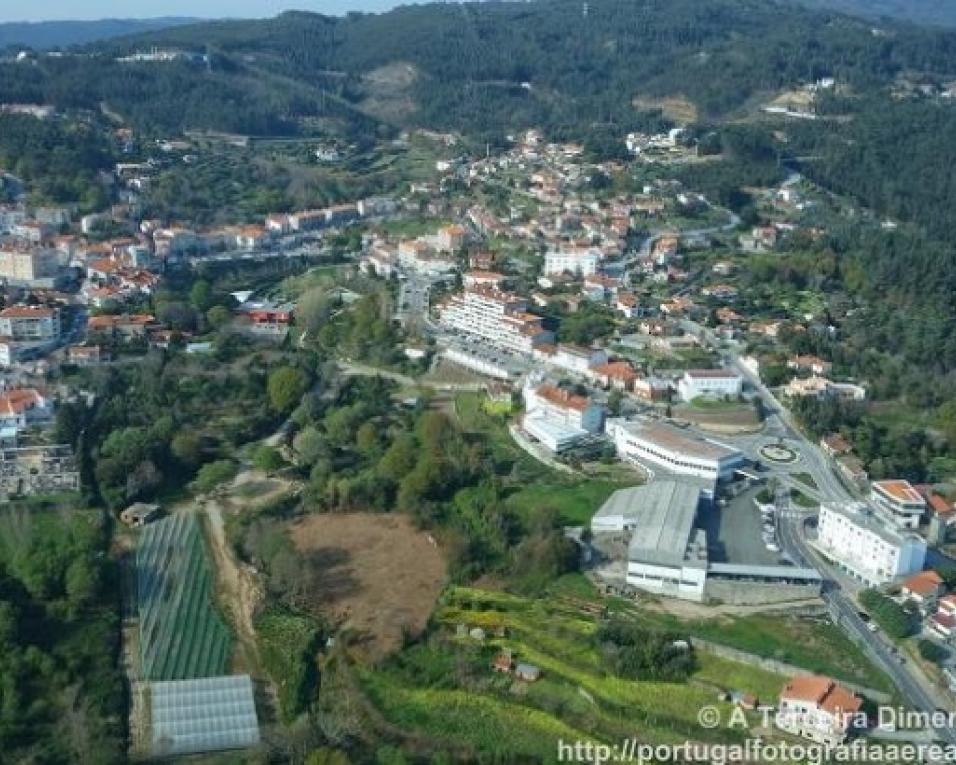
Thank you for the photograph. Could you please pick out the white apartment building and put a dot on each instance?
(570, 358)
(582, 263)
(562, 406)
(499, 317)
(899, 502)
(866, 546)
(30, 323)
(557, 418)
(712, 383)
(818, 709)
(657, 445)
(27, 267)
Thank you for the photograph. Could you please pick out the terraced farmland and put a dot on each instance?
(182, 636)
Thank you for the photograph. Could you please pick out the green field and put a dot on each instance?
(443, 689)
(575, 501)
(181, 634)
(817, 646)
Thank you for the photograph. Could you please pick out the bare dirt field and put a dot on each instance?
(380, 576)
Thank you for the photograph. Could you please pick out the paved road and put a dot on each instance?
(791, 533)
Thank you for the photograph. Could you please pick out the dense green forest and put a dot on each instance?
(481, 66)
(61, 691)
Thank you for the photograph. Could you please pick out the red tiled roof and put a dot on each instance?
(923, 583)
(822, 691)
(26, 312)
(562, 398)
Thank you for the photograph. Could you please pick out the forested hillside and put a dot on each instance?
(481, 66)
(935, 12)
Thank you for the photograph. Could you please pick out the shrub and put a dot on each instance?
(889, 614)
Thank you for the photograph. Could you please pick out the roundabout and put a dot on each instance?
(779, 454)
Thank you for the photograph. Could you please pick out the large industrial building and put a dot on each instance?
(666, 553)
(675, 450)
(667, 549)
(866, 546)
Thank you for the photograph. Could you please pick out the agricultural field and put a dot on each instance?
(380, 576)
(443, 688)
(181, 633)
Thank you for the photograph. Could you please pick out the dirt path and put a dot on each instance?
(237, 585)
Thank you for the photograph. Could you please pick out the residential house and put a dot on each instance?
(619, 375)
(924, 588)
(816, 708)
(24, 407)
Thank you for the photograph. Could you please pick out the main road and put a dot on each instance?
(791, 531)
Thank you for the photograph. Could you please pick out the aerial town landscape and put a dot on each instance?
(374, 422)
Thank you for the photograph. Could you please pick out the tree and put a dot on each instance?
(932, 652)
(218, 316)
(200, 295)
(212, 474)
(285, 387)
(186, 447)
(267, 459)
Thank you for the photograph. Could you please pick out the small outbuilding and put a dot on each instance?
(139, 514)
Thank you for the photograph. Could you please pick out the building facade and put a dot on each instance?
(865, 545)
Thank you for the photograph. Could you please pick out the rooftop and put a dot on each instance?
(664, 513)
(677, 440)
(823, 692)
(898, 490)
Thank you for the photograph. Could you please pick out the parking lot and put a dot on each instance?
(734, 532)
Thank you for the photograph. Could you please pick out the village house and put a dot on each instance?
(85, 355)
(818, 709)
(923, 588)
(21, 408)
(835, 445)
(812, 364)
(619, 375)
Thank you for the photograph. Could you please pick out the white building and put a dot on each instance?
(562, 406)
(711, 383)
(899, 502)
(22, 407)
(557, 418)
(571, 358)
(28, 267)
(499, 317)
(657, 445)
(863, 544)
(666, 554)
(818, 709)
(30, 323)
(582, 263)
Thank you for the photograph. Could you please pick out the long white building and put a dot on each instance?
(499, 317)
(710, 383)
(657, 445)
(25, 323)
(863, 544)
(581, 263)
